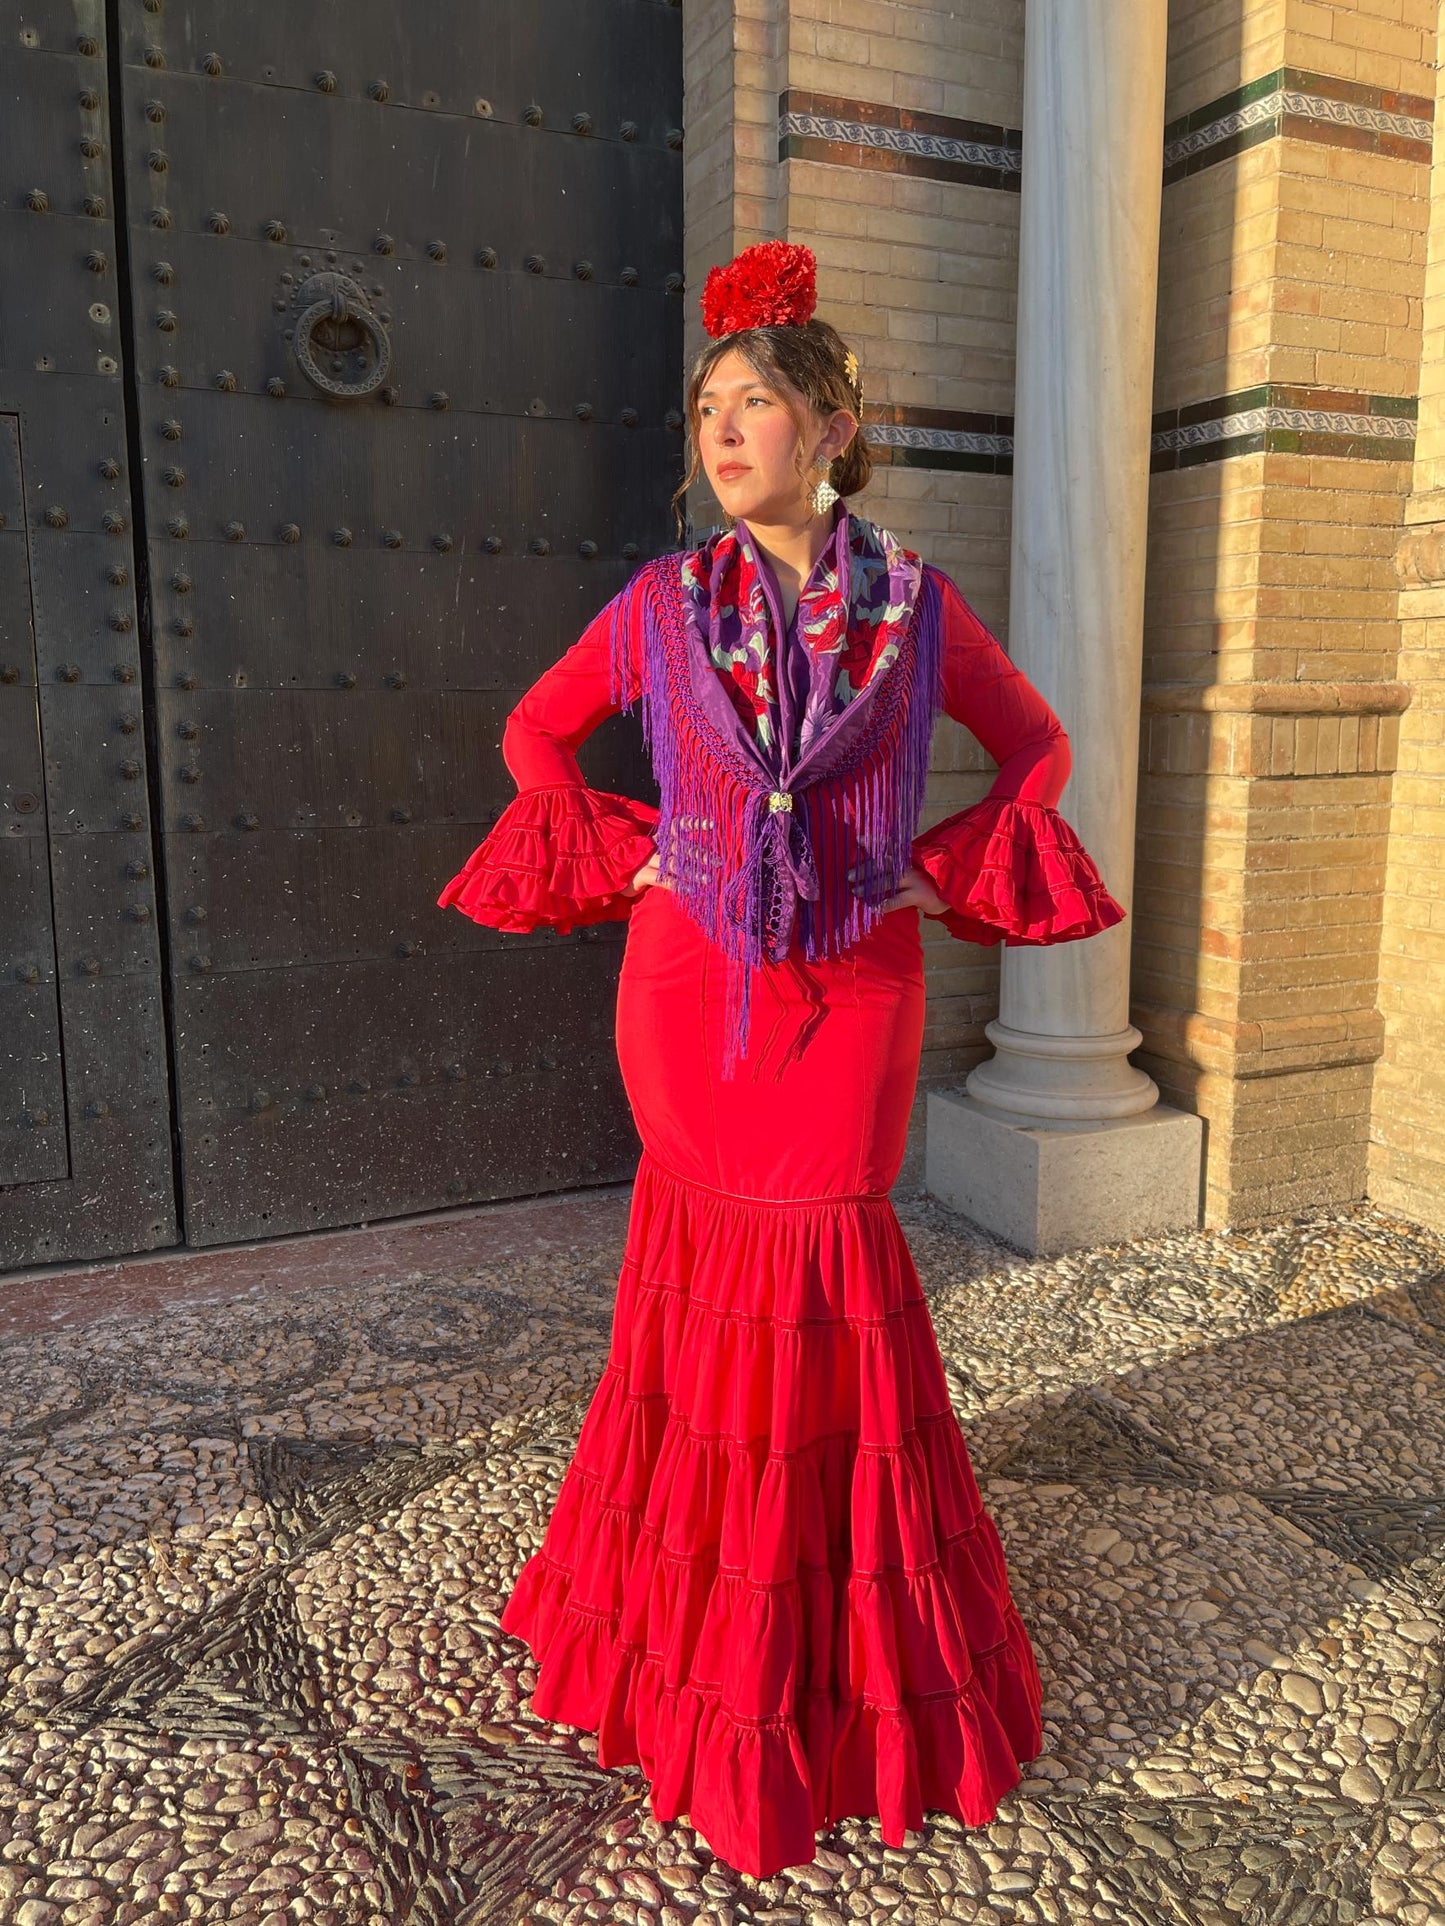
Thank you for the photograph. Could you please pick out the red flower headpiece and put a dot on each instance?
(771, 284)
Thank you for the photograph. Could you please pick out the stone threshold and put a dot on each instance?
(58, 1296)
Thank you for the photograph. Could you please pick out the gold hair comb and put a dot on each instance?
(851, 369)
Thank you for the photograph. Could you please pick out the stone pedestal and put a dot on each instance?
(1047, 1189)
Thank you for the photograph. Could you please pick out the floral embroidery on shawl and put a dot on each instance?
(858, 621)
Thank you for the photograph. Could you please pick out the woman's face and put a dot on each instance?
(748, 443)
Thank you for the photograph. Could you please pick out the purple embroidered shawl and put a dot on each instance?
(790, 815)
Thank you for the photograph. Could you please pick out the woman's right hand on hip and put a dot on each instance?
(646, 876)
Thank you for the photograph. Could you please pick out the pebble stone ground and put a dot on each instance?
(253, 1557)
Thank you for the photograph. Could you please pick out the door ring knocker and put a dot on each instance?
(340, 343)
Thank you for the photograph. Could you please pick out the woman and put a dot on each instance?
(769, 1578)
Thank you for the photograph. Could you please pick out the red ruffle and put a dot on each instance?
(769, 1578)
(558, 857)
(1016, 871)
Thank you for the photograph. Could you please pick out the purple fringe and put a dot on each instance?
(859, 810)
(870, 799)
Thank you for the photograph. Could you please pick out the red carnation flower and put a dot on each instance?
(770, 284)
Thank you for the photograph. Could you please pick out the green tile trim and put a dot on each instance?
(1304, 105)
(1285, 418)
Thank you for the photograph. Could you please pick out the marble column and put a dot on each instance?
(1058, 1141)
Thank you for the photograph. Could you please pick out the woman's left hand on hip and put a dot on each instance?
(916, 891)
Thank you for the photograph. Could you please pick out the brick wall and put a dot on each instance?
(1287, 369)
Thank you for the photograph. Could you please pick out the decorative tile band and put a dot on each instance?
(1290, 101)
(1304, 106)
(1280, 419)
(902, 437)
(861, 133)
(1309, 420)
(901, 140)
(1312, 106)
(955, 442)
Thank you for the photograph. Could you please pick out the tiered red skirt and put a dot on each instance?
(769, 1579)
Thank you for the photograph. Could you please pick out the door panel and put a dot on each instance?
(82, 1042)
(612, 59)
(501, 612)
(222, 461)
(341, 172)
(32, 1074)
(377, 505)
(503, 341)
(450, 1078)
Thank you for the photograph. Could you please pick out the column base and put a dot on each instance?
(1047, 1189)
(1043, 1078)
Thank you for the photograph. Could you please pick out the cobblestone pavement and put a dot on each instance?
(254, 1552)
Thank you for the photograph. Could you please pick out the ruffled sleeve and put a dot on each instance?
(561, 854)
(1015, 872)
(558, 857)
(1010, 867)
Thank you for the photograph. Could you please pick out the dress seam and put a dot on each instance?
(804, 1564)
(784, 1719)
(601, 1613)
(859, 1051)
(842, 1321)
(823, 1437)
(767, 1203)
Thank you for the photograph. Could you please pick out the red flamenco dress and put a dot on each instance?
(769, 1578)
